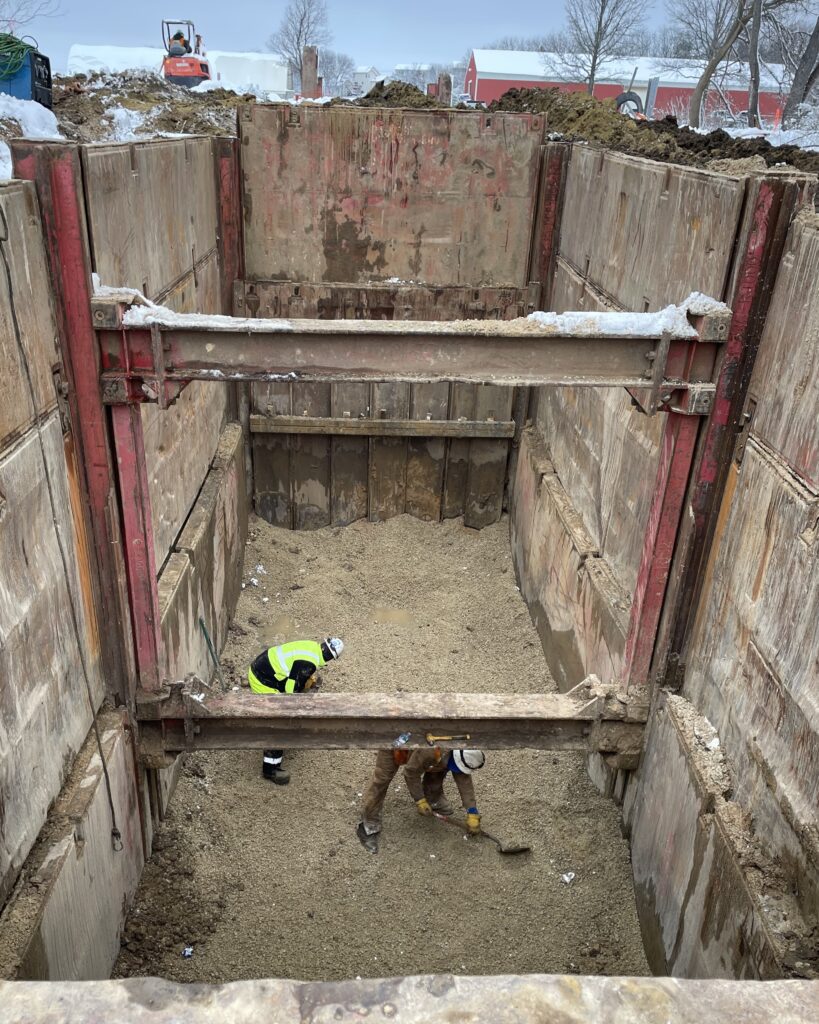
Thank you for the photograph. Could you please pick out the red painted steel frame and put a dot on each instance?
(677, 454)
(139, 543)
(55, 170)
(769, 216)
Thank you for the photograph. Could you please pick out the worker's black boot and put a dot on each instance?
(276, 774)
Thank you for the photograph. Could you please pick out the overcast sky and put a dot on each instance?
(379, 32)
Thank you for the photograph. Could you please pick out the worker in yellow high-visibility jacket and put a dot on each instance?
(289, 668)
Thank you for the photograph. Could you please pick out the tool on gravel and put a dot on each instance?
(505, 848)
(369, 842)
(432, 740)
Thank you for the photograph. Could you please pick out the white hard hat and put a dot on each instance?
(468, 761)
(334, 645)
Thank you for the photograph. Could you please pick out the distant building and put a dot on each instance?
(364, 78)
(491, 73)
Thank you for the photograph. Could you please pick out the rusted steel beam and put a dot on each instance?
(147, 352)
(770, 207)
(139, 543)
(347, 426)
(55, 170)
(676, 455)
(590, 717)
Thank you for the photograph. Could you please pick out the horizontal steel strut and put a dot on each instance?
(591, 717)
(150, 354)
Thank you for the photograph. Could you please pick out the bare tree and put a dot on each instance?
(596, 33)
(14, 14)
(337, 70)
(718, 26)
(552, 41)
(805, 76)
(304, 23)
(753, 63)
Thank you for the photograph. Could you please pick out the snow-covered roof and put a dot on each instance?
(534, 66)
(413, 67)
(363, 70)
(265, 70)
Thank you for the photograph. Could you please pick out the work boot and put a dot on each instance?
(276, 774)
(443, 806)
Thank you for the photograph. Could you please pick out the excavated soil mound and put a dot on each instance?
(395, 94)
(576, 115)
(89, 108)
(268, 881)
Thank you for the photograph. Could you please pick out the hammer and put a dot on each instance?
(432, 740)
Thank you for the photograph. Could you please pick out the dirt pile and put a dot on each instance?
(268, 881)
(576, 115)
(394, 94)
(133, 104)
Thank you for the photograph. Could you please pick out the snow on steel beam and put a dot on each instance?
(149, 352)
(589, 717)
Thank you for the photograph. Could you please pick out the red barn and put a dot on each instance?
(490, 73)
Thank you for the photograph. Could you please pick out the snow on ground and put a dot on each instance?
(805, 136)
(34, 120)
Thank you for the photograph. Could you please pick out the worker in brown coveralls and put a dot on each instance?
(424, 773)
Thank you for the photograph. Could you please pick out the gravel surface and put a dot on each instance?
(266, 881)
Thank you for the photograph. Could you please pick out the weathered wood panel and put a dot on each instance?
(785, 382)
(576, 604)
(388, 455)
(425, 456)
(32, 301)
(310, 460)
(351, 194)
(392, 300)
(202, 578)
(152, 211)
(461, 406)
(44, 704)
(644, 233)
(349, 456)
(486, 474)
(755, 655)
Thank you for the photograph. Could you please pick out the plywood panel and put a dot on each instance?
(32, 305)
(352, 194)
(644, 233)
(785, 382)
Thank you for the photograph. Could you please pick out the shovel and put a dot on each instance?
(506, 848)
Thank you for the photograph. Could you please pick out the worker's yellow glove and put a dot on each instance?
(423, 807)
(473, 823)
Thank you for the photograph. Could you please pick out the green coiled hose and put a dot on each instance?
(13, 54)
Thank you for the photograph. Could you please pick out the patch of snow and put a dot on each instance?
(698, 304)
(672, 319)
(212, 86)
(36, 122)
(126, 124)
(5, 162)
(804, 135)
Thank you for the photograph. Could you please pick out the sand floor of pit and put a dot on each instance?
(268, 881)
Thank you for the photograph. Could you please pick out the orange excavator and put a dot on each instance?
(183, 64)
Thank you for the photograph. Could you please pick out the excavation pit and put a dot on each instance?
(269, 881)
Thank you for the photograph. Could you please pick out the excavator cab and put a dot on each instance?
(184, 62)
